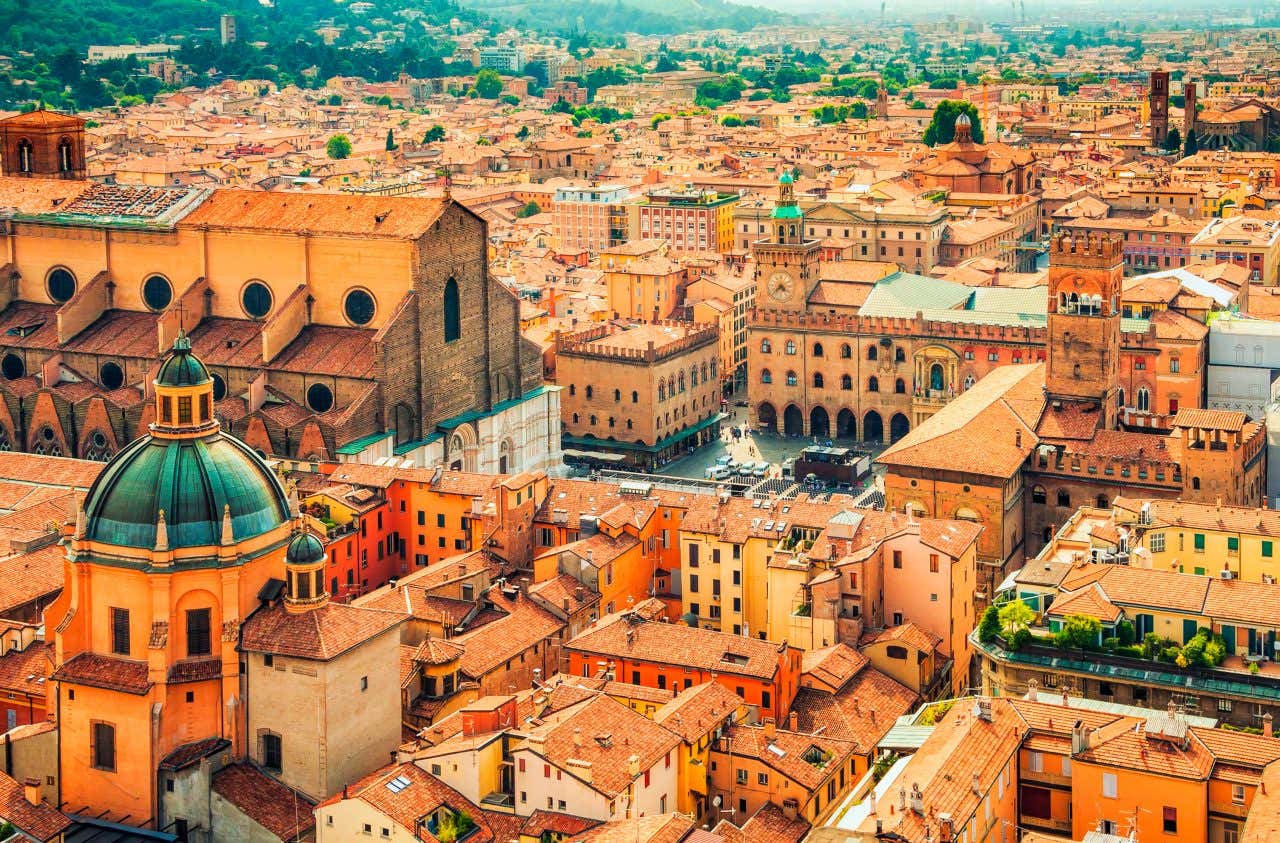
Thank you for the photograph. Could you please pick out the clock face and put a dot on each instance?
(780, 285)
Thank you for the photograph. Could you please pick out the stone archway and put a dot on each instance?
(767, 417)
(819, 422)
(872, 427)
(846, 425)
(899, 427)
(463, 449)
(793, 421)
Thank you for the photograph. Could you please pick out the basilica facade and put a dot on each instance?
(335, 327)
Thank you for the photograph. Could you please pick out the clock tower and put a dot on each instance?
(1085, 276)
(786, 263)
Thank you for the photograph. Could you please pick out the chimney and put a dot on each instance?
(1079, 737)
(1032, 693)
(790, 808)
(31, 790)
(793, 722)
(633, 766)
(577, 736)
(770, 728)
(976, 784)
(1267, 729)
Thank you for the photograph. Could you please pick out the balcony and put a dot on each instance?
(1043, 777)
(1047, 824)
(1228, 809)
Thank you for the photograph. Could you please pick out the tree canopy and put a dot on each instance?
(942, 127)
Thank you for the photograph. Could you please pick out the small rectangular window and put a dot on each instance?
(103, 737)
(198, 627)
(120, 631)
(184, 409)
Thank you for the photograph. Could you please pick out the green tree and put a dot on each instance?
(434, 135)
(488, 83)
(1016, 615)
(338, 147)
(661, 117)
(1192, 146)
(1173, 141)
(510, 99)
(391, 141)
(529, 210)
(989, 626)
(334, 99)
(1079, 632)
(665, 64)
(731, 121)
(942, 127)
(522, 133)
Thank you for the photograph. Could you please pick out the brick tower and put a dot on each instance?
(1084, 323)
(786, 262)
(1188, 110)
(1158, 101)
(42, 144)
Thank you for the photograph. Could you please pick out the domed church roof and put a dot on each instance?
(304, 549)
(192, 480)
(187, 469)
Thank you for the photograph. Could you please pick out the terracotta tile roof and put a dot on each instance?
(1006, 402)
(862, 711)
(563, 590)
(51, 471)
(317, 213)
(329, 350)
(1137, 749)
(785, 752)
(830, 667)
(770, 825)
(1240, 519)
(38, 196)
(437, 651)
(23, 670)
(604, 733)
(676, 644)
(1089, 601)
(1240, 601)
(523, 624)
(195, 670)
(601, 549)
(189, 753)
(911, 635)
(409, 805)
(658, 828)
(41, 822)
(1229, 420)
(264, 800)
(698, 711)
(555, 823)
(110, 672)
(319, 634)
(1154, 588)
(1238, 748)
(31, 576)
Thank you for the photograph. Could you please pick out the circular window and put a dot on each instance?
(319, 398)
(219, 387)
(111, 375)
(99, 439)
(12, 367)
(359, 306)
(156, 292)
(62, 285)
(256, 299)
(46, 433)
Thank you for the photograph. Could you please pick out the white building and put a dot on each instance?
(1244, 374)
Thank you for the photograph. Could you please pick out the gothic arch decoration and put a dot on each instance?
(793, 421)
(97, 447)
(452, 310)
(406, 423)
(872, 427)
(846, 424)
(767, 417)
(462, 453)
(899, 427)
(819, 422)
(6, 442)
(507, 460)
(936, 372)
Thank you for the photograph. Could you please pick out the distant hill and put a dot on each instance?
(613, 17)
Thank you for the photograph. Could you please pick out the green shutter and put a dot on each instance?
(1199, 541)
(1266, 550)
(1233, 542)
(1229, 638)
(1188, 630)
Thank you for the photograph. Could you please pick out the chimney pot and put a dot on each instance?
(31, 790)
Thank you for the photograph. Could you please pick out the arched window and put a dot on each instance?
(969, 381)
(573, 389)
(704, 373)
(846, 382)
(64, 155)
(791, 347)
(26, 155)
(899, 355)
(681, 381)
(900, 386)
(1102, 502)
(635, 397)
(965, 513)
(817, 349)
(873, 384)
(1144, 399)
(693, 376)
(617, 395)
(1038, 494)
(766, 347)
(662, 391)
(766, 376)
(845, 351)
(872, 352)
(1195, 483)
(817, 380)
(452, 312)
(791, 379)
(1075, 371)
(590, 391)
(1064, 497)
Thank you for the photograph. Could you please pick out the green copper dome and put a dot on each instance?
(182, 368)
(193, 480)
(304, 549)
(786, 178)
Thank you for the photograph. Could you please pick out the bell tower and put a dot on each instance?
(1085, 277)
(1158, 104)
(786, 262)
(42, 144)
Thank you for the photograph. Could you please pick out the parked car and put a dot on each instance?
(717, 472)
(761, 470)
